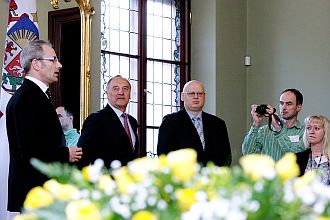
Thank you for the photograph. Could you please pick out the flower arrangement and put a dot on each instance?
(175, 187)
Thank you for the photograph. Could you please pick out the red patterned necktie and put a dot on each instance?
(125, 116)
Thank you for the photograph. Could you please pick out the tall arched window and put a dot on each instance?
(148, 42)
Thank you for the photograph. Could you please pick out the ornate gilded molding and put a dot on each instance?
(86, 14)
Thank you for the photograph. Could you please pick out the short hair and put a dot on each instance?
(117, 76)
(32, 50)
(67, 110)
(299, 96)
(325, 123)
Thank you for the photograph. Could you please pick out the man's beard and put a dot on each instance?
(287, 118)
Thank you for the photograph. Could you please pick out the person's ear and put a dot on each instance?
(35, 64)
(182, 96)
(299, 107)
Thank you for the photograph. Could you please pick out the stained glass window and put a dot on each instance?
(142, 40)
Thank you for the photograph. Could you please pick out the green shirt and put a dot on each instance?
(71, 137)
(275, 144)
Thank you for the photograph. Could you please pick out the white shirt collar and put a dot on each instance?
(116, 110)
(191, 115)
(319, 160)
(42, 85)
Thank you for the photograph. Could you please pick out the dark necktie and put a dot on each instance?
(50, 96)
(125, 116)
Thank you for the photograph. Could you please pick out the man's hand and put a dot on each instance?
(276, 123)
(75, 153)
(255, 116)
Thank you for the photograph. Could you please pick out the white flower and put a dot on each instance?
(258, 186)
(201, 196)
(253, 206)
(96, 195)
(168, 188)
(319, 207)
(162, 204)
(115, 164)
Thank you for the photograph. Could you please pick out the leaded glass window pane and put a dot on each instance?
(153, 55)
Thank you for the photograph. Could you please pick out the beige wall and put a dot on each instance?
(218, 50)
(231, 72)
(289, 41)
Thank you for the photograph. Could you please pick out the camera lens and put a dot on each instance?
(261, 109)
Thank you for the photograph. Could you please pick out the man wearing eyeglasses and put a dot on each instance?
(191, 127)
(33, 128)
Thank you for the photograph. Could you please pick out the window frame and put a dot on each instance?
(142, 59)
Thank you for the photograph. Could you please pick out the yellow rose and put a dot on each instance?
(38, 197)
(183, 163)
(186, 198)
(257, 165)
(322, 218)
(304, 180)
(26, 217)
(123, 179)
(93, 172)
(161, 162)
(144, 215)
(287, 167)
(140, 167)
(63, 192)
(82, 210)
(85, 173)
(105, 183)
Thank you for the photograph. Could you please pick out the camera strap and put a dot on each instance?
(280, 123)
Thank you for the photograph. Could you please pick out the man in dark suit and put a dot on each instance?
(33, 128)
(193, 128)
(106, 134)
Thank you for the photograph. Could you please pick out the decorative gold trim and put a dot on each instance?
(86, 14)
(54, 3)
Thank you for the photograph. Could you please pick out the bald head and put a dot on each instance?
(193, 96)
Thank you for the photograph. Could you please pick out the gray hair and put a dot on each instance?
(114, 77)
(32, 50)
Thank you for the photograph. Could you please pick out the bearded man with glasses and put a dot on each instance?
(191, 127)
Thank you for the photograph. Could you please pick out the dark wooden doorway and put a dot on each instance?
(64, 33)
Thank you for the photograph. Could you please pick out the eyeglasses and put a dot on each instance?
(193, 94)
(53, 59)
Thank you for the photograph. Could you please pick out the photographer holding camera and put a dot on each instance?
(283, 133)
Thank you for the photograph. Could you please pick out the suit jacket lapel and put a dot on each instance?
(113, 118)
(192, 129)
(206, 126)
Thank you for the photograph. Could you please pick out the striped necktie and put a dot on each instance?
(198, 125)
(50, 96)
(128, 132)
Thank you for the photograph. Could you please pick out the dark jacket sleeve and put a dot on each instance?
(217, 141)
(88, 139)
(166, 134)
(302, 160)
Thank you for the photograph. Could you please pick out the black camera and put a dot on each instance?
(261, 109)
